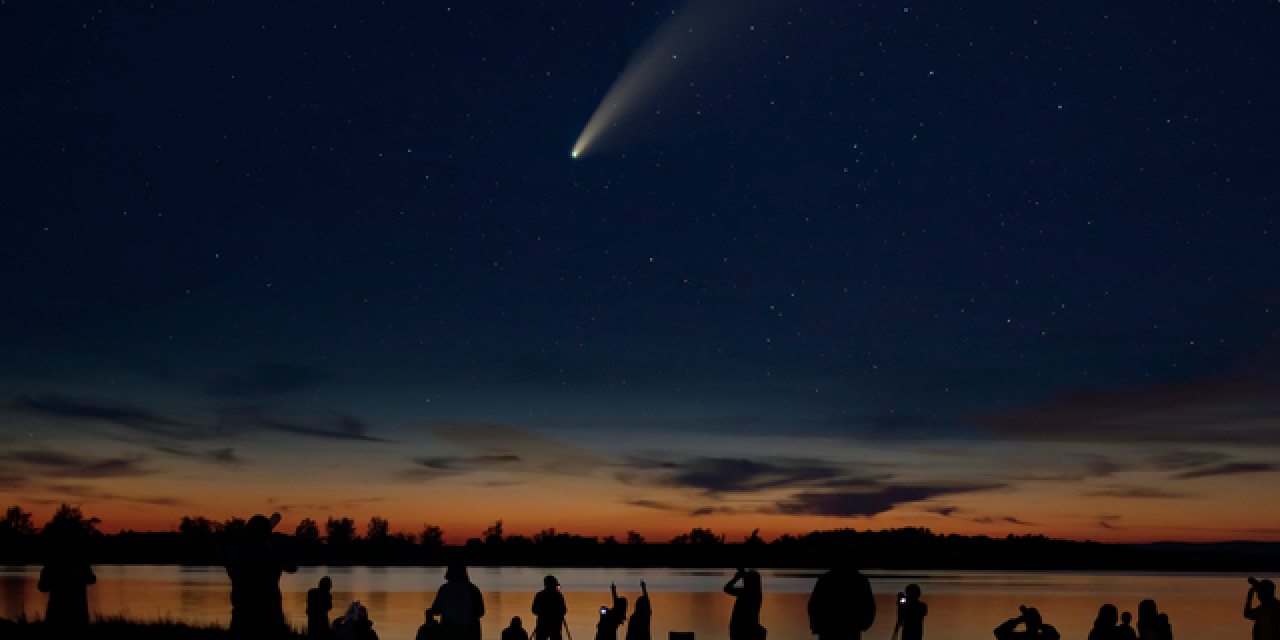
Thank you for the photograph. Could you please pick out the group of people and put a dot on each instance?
(840, 608)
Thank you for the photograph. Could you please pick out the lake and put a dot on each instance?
(963, 605)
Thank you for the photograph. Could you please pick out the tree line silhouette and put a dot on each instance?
(198, 540)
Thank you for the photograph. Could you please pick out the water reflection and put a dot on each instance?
(963, 605)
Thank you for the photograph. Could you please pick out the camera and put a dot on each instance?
(902, 598)
(1253, 581)
(604, 611)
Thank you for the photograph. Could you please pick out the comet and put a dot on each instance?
(684, 39)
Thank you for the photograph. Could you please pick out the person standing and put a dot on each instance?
(911, 613)
(842, 606)
(1265, 616)
(66, 579)
(638, 625)
(319, 603)
(744, 622)
(611, 617)
(459, 603)
(254, 567)
(550, 609)
(1153, 625)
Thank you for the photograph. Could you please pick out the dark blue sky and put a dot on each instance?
(893, 230)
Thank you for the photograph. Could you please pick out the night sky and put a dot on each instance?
(997, 268)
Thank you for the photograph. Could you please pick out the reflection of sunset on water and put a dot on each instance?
(962, 605)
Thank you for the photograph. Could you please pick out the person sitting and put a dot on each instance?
(515, 631)
(1104, 626)
(1035, 628)
(1125, 630)
(355, 624)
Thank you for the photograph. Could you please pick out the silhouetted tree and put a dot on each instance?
(197, 526)
(431, 536)
(307, 530)
(698, 536)
(17, 522)
(69, 520)
(234, 526)
(378, 529)
(634, 538)
(340, 531)
(493, 535)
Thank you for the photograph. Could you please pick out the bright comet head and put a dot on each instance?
(573, 154)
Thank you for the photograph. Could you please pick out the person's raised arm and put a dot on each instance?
(613, 589)
(644, 589)
(1005, 631)
(1248, 600)
(729, 588)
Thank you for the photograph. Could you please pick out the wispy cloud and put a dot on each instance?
(62, 465)
(1241, 407)
(1229, 469)
(91, 411)
(226, 456)
(85, 492)
(713, 476)
(869, 503)
(1116, 491)
(329, 426)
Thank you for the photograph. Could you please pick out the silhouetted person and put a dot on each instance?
(354, 624)
(515, 631)
(459, 604)
(66, 579)
(744, 622)
(638, 625)
(1125, 630)
(319, 603)
(841, 606)
(430, 629)
(254, 566)
(1035, 628)
(1265, 616)
(1104, 626)
(549, 607)
(1153, 625)
(611, 617)
(911, 613)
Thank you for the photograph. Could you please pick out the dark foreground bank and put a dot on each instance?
(117, 628)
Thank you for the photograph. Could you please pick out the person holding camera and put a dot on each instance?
(611, 617)
(1265, 616)
(911, 613)
(1035, 627)
(550, 609)
(744, 622)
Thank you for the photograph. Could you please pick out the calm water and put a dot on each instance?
(963, 605)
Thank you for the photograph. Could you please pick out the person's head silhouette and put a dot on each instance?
(550, 583)
(1266, 590)
(456, 572)
(326, 584)
(1108, 616)
(912, 592)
